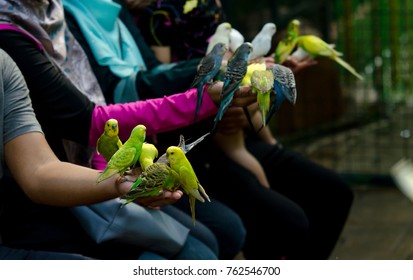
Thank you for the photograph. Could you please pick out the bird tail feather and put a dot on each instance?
(348, 67)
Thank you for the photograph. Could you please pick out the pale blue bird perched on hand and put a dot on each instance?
(127, 155)
(262, 42)
(221, 35)
(207, 69)
(236, 70)
(235, 40)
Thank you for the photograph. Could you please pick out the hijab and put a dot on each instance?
(44, 21)
(110, 40)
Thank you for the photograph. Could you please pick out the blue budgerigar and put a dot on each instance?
(207, 69)
(236, 70)
(284, 87)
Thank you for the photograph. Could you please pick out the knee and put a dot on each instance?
(235, 235)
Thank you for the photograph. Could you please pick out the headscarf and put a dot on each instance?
(44, 20)
(111, 42)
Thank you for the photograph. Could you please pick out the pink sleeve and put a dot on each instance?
(158, 114)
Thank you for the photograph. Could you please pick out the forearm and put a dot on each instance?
(158, 115)
(57, 186)
(47, 180)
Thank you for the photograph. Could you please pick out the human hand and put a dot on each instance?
(243, 96)
(125, 182)
(163, 199)
(297, 65)
(235, 119)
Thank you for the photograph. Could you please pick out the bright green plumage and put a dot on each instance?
(127, 155)
(148, 154)
(315, 46)
(190, 184)
(288, 43)
(156, 178)
(109, 142)
(262, 83)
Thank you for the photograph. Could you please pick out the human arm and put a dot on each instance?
(47, 180)
(294, 64)
(65, 112)
(32, 163)
(163, 53)
(164, 114)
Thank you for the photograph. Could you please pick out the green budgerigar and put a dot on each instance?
(127, 155)
(262, 83)
(148, 154)
(315, 46)
(288, 43)
(109, 142)
(189, 181)
(156, 178)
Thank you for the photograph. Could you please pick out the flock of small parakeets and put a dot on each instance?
(169, 172)
(272, 89)
(172, 170)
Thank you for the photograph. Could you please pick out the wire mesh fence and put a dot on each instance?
(359, 128)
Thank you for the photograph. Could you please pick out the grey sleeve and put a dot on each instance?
(18, 114)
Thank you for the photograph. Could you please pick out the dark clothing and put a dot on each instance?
(164, 23)
(7, 253)
(61, 109)
(64, 113)
(307, 205)
(152, 85)
(300, 217)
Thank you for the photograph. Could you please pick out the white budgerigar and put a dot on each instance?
(235, 40)
(261, 44)
(221, 35)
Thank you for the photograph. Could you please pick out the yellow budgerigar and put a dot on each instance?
(246, 81)
(189, 181)
(148, 154)
(109, 142)
(127, 155)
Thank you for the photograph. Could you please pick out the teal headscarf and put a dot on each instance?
(110, 40)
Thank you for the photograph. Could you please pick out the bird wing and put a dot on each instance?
(190, 182)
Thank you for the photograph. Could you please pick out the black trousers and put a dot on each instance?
(300, 217)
